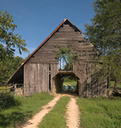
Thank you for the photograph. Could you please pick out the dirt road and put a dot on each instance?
(34, 122)
(72, 114)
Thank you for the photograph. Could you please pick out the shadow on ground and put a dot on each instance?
(11, 115)
(10, 120)
(70, 93)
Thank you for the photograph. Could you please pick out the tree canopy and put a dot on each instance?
(8, 66)
(9, 40)
(66, 57)
(105, 34)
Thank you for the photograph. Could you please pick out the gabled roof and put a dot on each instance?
(65, 21)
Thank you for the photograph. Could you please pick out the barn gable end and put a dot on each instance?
(41, 67)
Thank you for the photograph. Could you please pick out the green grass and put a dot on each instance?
(112, 84)
(70, 84)
(100, 112)
(73, 83)
(56, 117)
(21, 109)
(3, 89)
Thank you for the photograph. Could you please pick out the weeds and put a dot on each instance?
(100, 112)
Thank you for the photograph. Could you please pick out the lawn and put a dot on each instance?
(100, 112)
(73, 83)
(112, 84)
(70, 85)
(20, 109)
(56, 117)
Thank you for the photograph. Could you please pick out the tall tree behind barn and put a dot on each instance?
(41, 68)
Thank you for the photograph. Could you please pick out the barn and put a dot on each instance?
(41, 68)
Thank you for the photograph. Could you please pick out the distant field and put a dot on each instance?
(112, 84)
(3, 89)
(73, 83)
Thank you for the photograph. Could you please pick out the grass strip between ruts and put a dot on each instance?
(56, 117)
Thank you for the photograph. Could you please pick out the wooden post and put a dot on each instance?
(15, 90)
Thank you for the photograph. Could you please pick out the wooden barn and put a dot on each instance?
(41, 68)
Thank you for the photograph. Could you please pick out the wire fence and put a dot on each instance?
(8, 91)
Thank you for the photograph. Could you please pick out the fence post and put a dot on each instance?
(15, 90)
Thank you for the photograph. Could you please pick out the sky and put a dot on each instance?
(36, 19)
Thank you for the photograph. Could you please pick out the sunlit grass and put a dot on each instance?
(112, 84)
(72, 83)
(100, 112)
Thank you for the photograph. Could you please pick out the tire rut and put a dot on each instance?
(34, 122)
(72, 114)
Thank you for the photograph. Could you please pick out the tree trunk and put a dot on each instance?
(115, 85)
(108, 82)
(108, 78)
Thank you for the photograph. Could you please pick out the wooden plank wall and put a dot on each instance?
(36, 76)
(90, 85)
(54, 70)
(66, 35)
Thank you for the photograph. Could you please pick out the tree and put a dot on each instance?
(10, 40)
(8, 66)
(105, 34)
(67, 57)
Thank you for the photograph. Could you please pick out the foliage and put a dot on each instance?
(67, 55)
(17, 114)
(8, 67)
(10, 40)
(3, 52)
(100, 112)
(7, 100)
(112, 84)
(70, 79)
(104, 33)
(56, 117)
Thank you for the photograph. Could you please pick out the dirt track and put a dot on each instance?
(34, 122)
(72, 114)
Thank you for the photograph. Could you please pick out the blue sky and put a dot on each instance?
(36, 19)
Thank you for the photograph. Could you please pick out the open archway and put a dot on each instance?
(59, 80)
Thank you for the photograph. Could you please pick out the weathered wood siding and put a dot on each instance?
(65, 36)
(36, 77)
(90, 85)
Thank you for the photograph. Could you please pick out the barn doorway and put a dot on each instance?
(66, 82)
